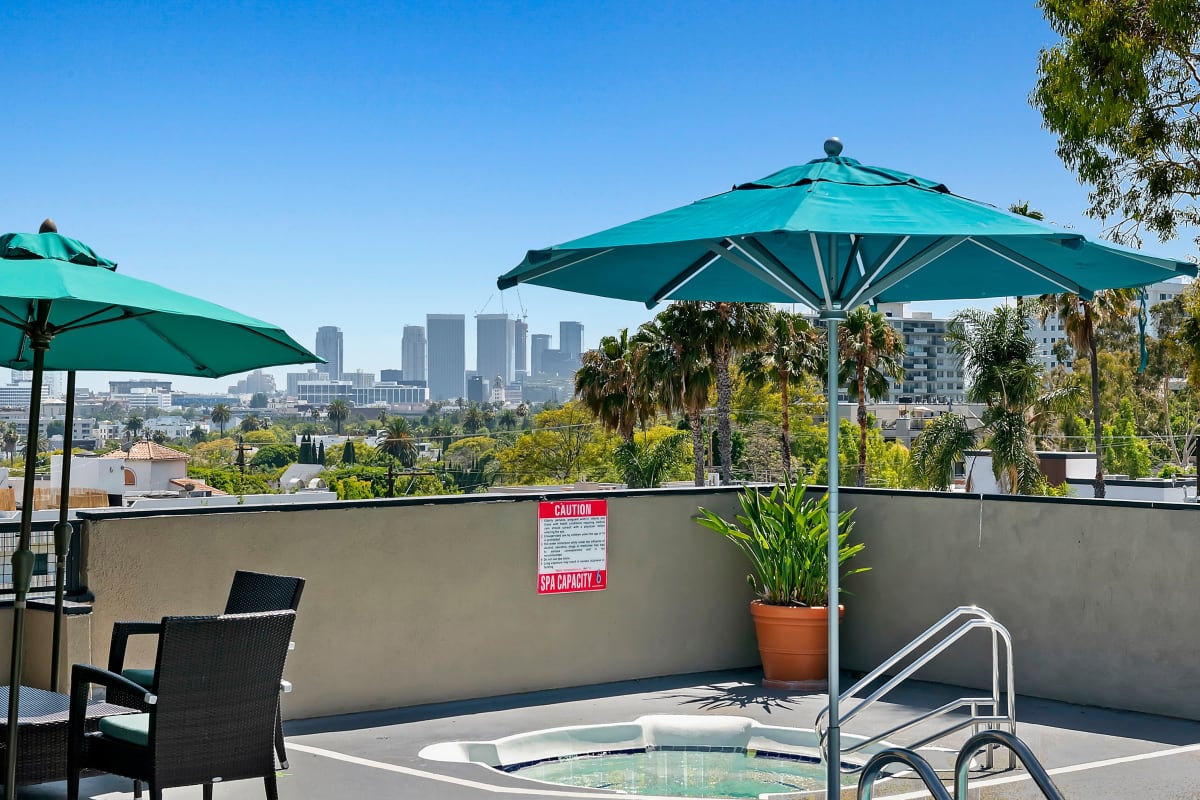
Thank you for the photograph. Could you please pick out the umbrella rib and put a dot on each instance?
(546, 269)
(754, 247)
(752, 266)
(1012, 256)
(74, 324)
(855, 244)
(821, 272)
(918, 262)
(17, 322)
(879, 267)
(689, 272)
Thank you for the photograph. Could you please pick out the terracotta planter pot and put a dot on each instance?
(793, 643)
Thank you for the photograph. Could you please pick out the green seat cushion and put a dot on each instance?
(142, 677)
(132, 728)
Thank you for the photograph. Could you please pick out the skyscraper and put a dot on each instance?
(447, 365)
(329, 347)
(522, 365)
(570, 339)
(539, 343)
(412, 353)
(495, 346)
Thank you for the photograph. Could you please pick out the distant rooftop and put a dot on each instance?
(149, 451)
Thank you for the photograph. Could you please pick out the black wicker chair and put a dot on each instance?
(213, 707)
(250, 592)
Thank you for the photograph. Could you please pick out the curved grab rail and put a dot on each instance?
(907, 650)
(909, 758)
(980, 619)
(988, 738)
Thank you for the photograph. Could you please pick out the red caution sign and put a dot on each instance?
(572, 546)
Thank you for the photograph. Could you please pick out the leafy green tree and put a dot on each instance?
(258, 400)
(221, 416)
(1122, 91)
(275, 456)
(250, 423)
(1130, 453)
(870, 351)
(792, 349)
(337, 413)
(55, 427)
(472, 462)
(564, 445)
(1082, 320)
(197, 435)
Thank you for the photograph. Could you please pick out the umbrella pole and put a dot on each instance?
(62, 533)
(833, 765)
(23, 558)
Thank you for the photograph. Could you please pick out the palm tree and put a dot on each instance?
(871, 351)
(396, 440)
(11, 440)
(676, 364)
(197, 435)
(730, 328)
(221, 415)
(473, 419)
(1003, 373)
(337, 412)
(1082, 318)
(508, 419)
(133, 426)
(793, 348)
(643, 465)
(605, 385)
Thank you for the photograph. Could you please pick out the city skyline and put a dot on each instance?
(462, 145)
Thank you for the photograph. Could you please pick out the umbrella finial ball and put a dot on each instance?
(48, 226)
(833, 147)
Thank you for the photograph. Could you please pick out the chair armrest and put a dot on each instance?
(82, 678)
(120, 638)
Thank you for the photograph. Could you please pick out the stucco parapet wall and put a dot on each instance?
(698, 491)
(425, 500)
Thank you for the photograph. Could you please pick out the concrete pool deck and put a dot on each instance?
(1092, 753)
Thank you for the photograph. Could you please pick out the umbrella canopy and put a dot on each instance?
(101, 320)
(62, 307)
(835, 234)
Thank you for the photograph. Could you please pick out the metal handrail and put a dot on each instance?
(910, 759)
(980, 619)
(979, 741)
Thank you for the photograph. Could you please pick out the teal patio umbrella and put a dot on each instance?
(835, 234)
(62, 307)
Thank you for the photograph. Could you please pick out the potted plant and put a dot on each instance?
(785, 535)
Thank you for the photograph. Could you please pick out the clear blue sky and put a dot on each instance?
(362, 164)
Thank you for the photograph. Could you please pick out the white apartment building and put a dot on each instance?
(932, 374)
(1049, 333)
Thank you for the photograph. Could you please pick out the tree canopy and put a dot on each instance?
(1121, 91)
